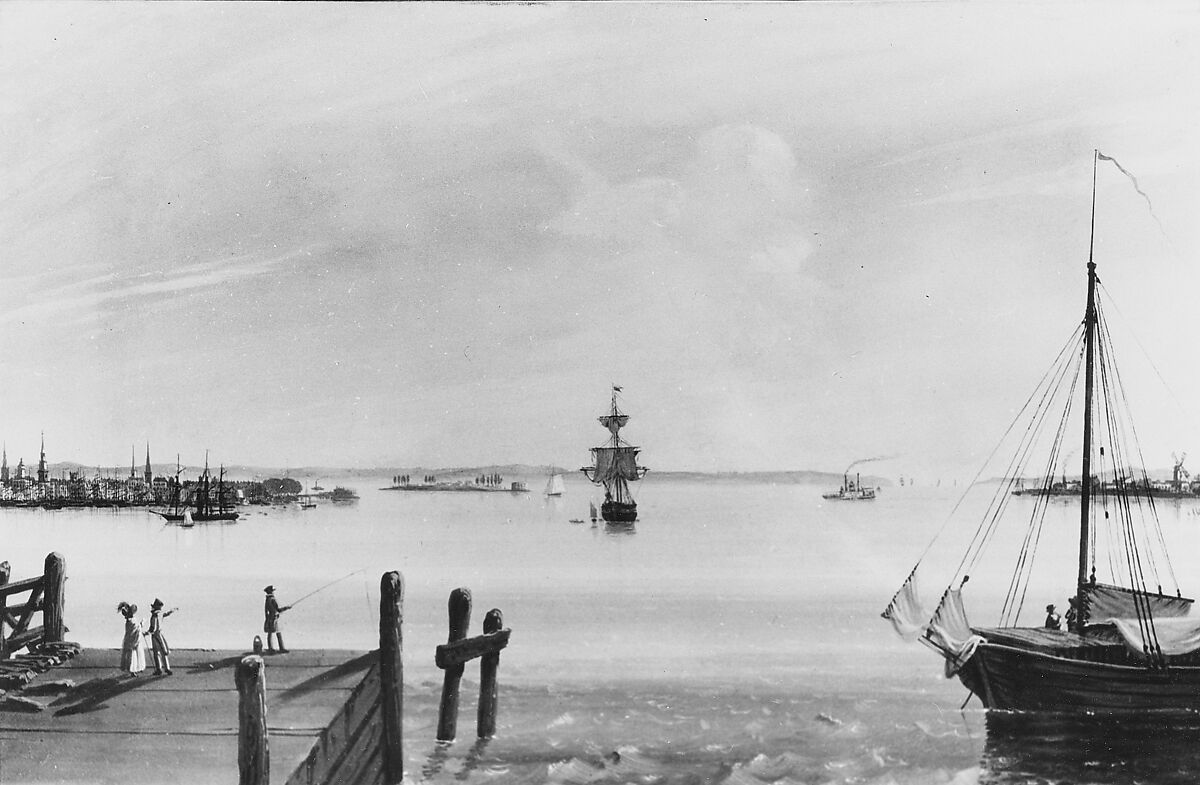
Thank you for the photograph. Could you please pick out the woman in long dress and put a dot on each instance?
(133, 646)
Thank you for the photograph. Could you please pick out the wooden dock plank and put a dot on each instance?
(180, 728)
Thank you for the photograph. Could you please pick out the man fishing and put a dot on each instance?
(272, 611)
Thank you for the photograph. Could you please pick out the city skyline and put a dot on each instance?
(797, 235)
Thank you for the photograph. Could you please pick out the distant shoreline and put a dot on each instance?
(520, 471)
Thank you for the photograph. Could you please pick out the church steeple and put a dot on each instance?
(4, 463)
(41, 476)
(132, 462)
(149, 474)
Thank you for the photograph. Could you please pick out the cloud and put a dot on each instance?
(738, 201)
(86, 299)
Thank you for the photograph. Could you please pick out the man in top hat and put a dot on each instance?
(272, 610)
(158, 642)
(1053, 620)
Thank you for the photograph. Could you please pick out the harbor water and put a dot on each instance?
(732, 635)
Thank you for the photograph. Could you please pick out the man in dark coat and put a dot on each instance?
(158, 641)
(272, 611)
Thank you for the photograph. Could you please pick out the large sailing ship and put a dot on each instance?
(206, 501)
(1128, 645)
(614, 466)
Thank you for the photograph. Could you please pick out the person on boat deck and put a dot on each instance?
(1053, 620)
(1073, 614)
(158, 642)
(272, 611)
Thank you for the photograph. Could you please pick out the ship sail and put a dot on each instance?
(1128, 646)
(614, 466)
(554, 486)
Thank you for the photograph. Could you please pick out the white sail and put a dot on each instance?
(554, 486)
(906, 612)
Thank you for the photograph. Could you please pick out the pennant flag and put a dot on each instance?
(1101, 156)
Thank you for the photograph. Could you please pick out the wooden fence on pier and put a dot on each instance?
(43, 594)
(364, 744)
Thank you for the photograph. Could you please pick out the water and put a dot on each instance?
(731, 636)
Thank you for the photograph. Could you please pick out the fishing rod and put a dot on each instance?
(326, 586)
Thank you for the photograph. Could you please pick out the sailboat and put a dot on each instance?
(306, 502)
(592, 510)
(554, 486)
(615, 466)
(1128, 646)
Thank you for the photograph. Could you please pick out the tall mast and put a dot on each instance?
(1085, 497)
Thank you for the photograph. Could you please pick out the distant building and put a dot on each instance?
(4, 464)
(148, 474)
(42, 475)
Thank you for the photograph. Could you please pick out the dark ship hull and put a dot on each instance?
(619, 512)
(199, 517)
(1009, 678)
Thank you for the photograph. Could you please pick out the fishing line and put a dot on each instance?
(326, 586)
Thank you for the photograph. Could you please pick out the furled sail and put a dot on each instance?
(614, 422)
(951, 633)
(613, 462)
(1115, 602)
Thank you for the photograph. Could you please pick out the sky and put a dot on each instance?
(796, 235)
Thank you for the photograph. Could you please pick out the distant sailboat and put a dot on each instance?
(554, 486)
(306, 502)
(615, 467)
(592, 509)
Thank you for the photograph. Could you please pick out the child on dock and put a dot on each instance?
(158, 642)
(133, 645)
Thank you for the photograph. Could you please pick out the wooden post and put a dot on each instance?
(488, 664)
(254, 758)
(5, 572)
(391, 674)
(460, 619)
(53, 598)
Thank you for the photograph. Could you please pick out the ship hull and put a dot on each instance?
(618, 512)
(1013, 679)
(173, 517)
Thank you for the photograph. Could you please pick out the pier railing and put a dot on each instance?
(43, 594)
(364, 744)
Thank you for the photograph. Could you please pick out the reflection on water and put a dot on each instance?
(1037, 748)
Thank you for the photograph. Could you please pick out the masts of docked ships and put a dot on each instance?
(1085, 491)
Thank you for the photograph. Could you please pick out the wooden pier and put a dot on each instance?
(301, 718)
(100, 725)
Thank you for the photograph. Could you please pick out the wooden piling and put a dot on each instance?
(391, 673)
(254, 759)
(5, 572)
(460, 620)
(54, 600)
(488, 694)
